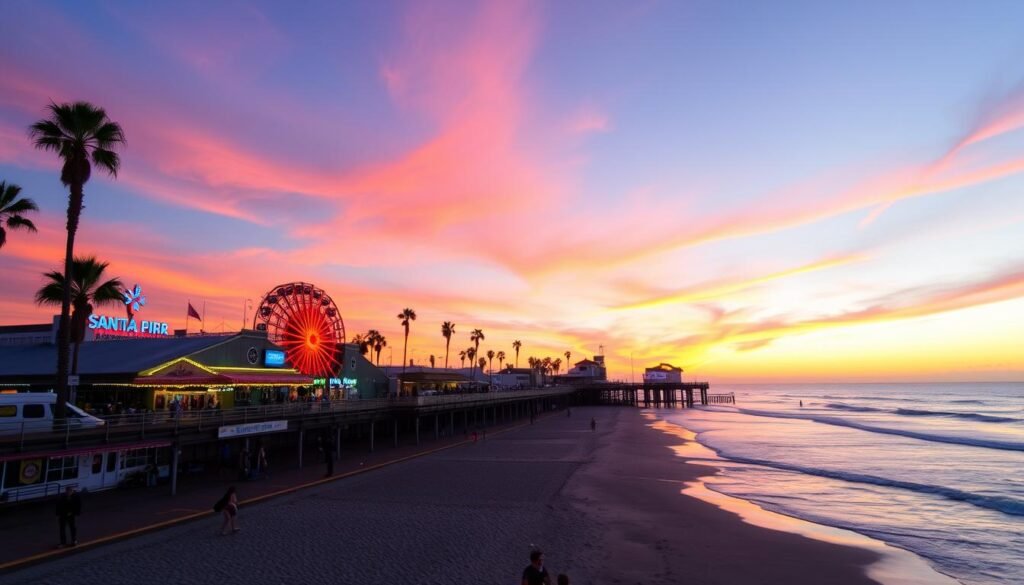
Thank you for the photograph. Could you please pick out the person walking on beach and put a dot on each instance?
(69, 507)
(261, 460)
(227, 505)
(535, 573)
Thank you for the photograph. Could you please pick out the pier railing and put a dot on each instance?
(729, 398)
(15, 436)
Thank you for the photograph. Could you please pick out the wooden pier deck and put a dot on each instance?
(652, 395)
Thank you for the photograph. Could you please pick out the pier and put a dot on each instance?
(652, 395)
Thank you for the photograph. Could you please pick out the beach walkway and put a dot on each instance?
(604, 505)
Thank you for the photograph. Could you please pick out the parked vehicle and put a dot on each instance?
(29, 477)
(32, 412)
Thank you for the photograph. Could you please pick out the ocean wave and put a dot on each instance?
(1005, 505)
(963, 415)
(839, 422)
(873, 398)
(852, 408)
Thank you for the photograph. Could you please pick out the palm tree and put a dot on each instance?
(82, 135)
(12, 210)
(371, 342)
(379, 343)
(431, 360)
(501, 359)
(482, 363)
(447, 330)
(490, 360)
(471, 356)
(557, 364)
(516, 345)
(476, 337)
(361, 341)
(406, 316)
(568, 363)
(86, 290)
(462, 358)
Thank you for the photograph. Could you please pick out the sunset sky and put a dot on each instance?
(753, 191)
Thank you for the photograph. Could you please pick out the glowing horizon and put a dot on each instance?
(752, 193)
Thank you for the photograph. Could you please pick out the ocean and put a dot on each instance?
(936, 469)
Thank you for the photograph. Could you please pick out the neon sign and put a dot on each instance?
(334, 382)
(133, 301)
(123, 325)
(273, 358)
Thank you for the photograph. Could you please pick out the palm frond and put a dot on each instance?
(17, 221)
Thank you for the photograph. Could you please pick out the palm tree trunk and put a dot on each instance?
(64, 329)
(404, 349)
(448, 342)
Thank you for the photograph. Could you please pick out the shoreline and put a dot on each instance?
(894, 565)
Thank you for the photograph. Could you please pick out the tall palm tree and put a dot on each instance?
(557, 364)
(406, 316)
(82, 135)
(516, 345)
(501, 359)
(13, 210)
(568, 363)
(87, 289)
(447, 330)
(490, 360)
(462, 358)
(476, 337)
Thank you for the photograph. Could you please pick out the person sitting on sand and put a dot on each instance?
(535, 573)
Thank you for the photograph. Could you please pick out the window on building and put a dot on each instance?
(9, 410)
(62, 468)
(111, 461)
(33, 411)
(97, 463)
(134, 458)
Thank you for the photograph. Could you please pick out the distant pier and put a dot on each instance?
(653, 395)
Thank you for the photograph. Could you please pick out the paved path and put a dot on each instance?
(469, 514)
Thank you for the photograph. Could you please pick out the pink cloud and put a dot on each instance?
(589, 119)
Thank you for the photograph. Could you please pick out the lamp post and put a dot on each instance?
(245, 311)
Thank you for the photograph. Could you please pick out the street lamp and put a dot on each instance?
(245, 311)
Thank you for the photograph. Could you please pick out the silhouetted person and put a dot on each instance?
(327, 446)
(593, 424)
(69, 507)
(535, 573)
(227, 505)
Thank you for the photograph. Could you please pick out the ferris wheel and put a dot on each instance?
(303, 319)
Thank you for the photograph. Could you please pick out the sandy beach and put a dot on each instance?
(605, 506)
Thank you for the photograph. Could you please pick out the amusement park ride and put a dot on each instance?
(304, 320)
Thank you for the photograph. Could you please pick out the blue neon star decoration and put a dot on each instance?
(134, 300)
